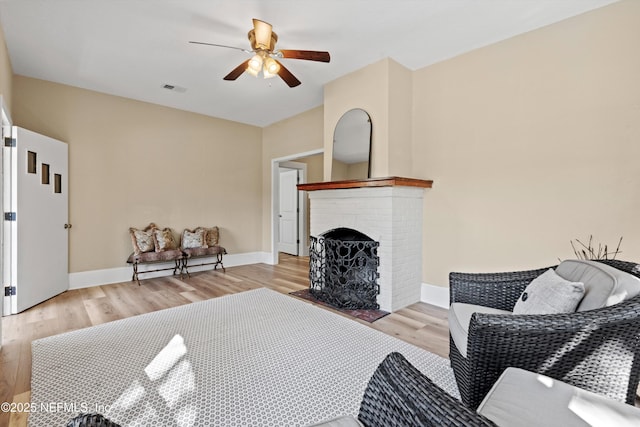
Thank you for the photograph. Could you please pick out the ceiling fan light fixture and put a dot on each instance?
(271, 67)
(255, 65)
(265, 56)
(267, 75)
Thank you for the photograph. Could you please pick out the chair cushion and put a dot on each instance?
(603, 284)
(549, 294)
(459, 318)
(205, 251)
(523, 398)
(172, 255)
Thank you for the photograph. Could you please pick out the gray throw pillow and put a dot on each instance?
(549, 294)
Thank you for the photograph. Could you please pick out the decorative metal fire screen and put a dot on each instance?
(343, 269)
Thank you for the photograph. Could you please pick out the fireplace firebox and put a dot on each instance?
(344, 269)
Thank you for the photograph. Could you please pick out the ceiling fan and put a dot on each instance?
(265, 56)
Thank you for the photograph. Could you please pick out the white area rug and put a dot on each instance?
(257, 358)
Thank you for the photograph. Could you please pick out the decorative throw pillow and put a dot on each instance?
(211, 235)
(142, 240)
(164, 239)
(193, 238)
(549, 294)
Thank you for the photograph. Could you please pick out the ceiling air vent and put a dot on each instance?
(174, 88)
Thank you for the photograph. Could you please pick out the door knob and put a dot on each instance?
(66, 226)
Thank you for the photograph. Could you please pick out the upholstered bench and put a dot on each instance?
(176, 255)
(155, 245)
(202, 243)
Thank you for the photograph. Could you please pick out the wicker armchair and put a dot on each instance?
(596, 350)
(91, 420)
(399, 395)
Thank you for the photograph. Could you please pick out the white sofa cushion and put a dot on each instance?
(523, 398)
(459, 318)
(549, 294)
(603, 284)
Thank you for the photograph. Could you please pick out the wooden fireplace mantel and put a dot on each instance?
(390, 181)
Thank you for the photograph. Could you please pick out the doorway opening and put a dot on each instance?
(290, 229)
(289, 207)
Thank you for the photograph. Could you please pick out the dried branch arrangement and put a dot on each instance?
(588, 251)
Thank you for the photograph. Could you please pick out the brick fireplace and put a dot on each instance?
(388, 210)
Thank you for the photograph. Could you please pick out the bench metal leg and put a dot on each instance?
(178, 266)
(184, 267)
(219, 262)
(135, 273)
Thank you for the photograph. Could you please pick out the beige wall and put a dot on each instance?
(6, 72)
(341, 171)
(400, 115)
(357, 170)
(365, 89)
(532, 142)
(315, 167)
(290, 137)
(338, 170)
(384, 91)
(131, 163)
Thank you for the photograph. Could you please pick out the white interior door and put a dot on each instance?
(6, 132)
(288, 212)
(38, 218)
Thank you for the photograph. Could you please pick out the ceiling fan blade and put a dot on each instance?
(222, 45)
(286, 75)
(262, 31)
(236, 72)
(310, 55)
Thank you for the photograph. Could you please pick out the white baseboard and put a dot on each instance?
(435, 295)
(256, 258)
(87, 279)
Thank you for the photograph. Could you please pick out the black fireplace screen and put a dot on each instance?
(343, 269)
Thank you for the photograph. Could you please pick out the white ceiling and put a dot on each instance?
(131, 48)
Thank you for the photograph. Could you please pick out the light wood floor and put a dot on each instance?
(419, 324)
